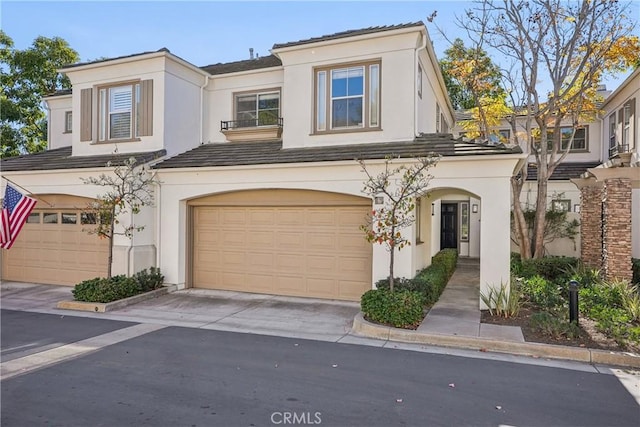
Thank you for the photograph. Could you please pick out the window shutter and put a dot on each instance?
(85, 115)
(146, 108)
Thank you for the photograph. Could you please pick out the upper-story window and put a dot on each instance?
(257, 109)
(419, 82)
(627, 113)
(117, 107)
(347, 97)
(68, 121)
(438, 118)
(612, 131)
(580, 138)
(124, 112)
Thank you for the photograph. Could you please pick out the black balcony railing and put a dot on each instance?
(618, 149)
(251, 123)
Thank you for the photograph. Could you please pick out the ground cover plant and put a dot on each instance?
(609, 311)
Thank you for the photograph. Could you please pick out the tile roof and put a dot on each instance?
(97, 61)
(564, 171)
(245, 65)
(60, 92)
(349, 33)
(260, 153)
(61, 158)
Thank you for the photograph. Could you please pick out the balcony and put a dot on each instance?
(252, 130)
(618, 149)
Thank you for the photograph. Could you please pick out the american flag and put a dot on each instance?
(16, 207)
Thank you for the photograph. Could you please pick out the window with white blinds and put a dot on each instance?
(125, 112)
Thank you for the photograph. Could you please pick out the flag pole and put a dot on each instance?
(27, 191)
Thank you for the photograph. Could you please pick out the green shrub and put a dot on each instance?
(553, 326)
(541, 292)
(585, 276)
(516, 264)
(635, 266)
(502, 303)
(149, 280)
(430, 281)
(400, 308)
(106, 290)
(554, 268)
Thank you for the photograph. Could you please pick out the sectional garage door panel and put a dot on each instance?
(314, 251)
(54, 247)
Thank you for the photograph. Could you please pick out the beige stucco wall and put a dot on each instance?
(488, 179)
(176, 103)
(220, 97)
(56, 135)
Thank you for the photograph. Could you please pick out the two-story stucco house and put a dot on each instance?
(259, 188)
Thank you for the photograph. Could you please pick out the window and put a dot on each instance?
(69, 218)
(612, 131)
(561, 205)
(438, 116)
(50, 218)
(88, 218)
(419, 82)
(626, 125)
(67, 122)
(257, 109)
(125, 112)
(504, 135)
(464, 221)
(348, 97)
(33, 218)
(579, 139)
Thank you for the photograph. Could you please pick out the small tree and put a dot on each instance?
(130, 188)
(399, 185)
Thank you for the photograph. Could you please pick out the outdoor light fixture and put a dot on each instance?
(474, 208)
(576, 208)
(433, 209)
(379, 200)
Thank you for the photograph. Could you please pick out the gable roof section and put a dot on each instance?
(263, 153)
(349, 33)
(564, 172)
(61, 158)
(245, 65)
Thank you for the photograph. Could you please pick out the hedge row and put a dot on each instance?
(404, 307)
(106, 290)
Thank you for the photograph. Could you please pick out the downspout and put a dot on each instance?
(415, 84)
(206, 81)
(158, 223)
(48, 125)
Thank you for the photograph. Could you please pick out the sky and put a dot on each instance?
(208, 32)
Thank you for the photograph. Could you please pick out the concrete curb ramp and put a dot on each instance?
(100, 307)
(372, 330)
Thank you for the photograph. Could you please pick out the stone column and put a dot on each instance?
(616, 231)
(591, 225)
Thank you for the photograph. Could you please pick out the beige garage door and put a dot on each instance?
(283, 242)
(52, 247)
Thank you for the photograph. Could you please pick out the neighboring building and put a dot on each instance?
(611, 140)
(259, 188)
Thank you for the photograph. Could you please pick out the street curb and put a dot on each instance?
(99, 307)
(579, 354)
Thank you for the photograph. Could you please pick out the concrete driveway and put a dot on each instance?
(325, 320)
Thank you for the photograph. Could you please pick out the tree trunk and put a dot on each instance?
(522, 232)
(112, 226)
(541, 209)
(392, 257)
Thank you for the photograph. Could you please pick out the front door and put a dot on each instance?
(449, 226)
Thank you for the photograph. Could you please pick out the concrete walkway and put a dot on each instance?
(457, 311)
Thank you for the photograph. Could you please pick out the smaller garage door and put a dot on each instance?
(54, 247)
(283, 242)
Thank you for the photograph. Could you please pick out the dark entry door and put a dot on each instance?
(449, 226)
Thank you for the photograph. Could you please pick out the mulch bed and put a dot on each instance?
(588, 338)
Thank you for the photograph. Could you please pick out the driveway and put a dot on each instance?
(325, 320)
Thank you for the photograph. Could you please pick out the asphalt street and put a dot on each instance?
(176, 376)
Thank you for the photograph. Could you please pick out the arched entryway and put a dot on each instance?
(282, 242)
